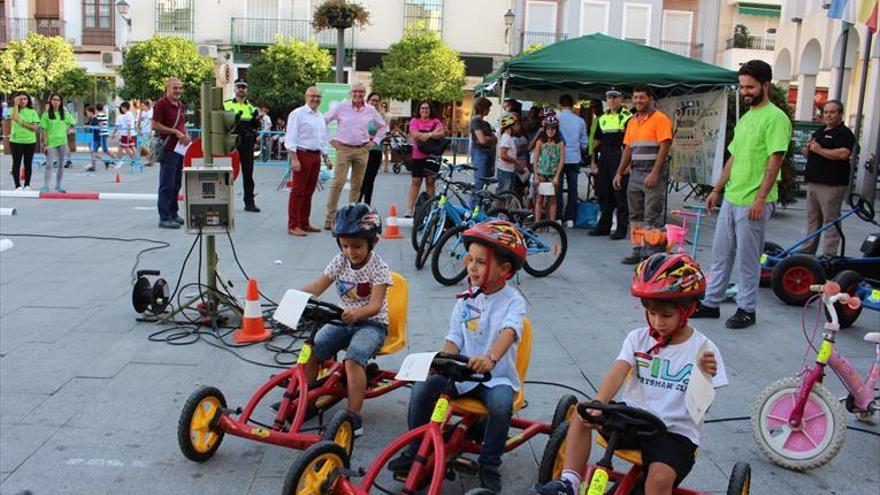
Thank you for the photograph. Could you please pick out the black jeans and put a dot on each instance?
(22, 152)
(170, 175)
(246, 155)
(373, 163)
(611, 199)
(570, 176)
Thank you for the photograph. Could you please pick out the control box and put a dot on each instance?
(208, 193)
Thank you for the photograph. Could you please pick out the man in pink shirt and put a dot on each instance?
(352, 145)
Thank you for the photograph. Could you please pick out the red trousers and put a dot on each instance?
(299, 206)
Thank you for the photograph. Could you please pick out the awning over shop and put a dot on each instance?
(762, 10)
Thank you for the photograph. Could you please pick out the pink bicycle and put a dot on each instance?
(797, 422)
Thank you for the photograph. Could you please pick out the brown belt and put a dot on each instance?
(304, 150)
(353, 145)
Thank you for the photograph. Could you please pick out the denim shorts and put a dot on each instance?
(99, 143)
(363, 340)
(506, 180)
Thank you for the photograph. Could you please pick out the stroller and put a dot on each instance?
(401, 152)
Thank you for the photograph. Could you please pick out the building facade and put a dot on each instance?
(747, 31)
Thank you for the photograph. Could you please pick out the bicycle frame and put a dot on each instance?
(297, 388)
(861, 391)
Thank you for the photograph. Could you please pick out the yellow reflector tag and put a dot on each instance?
(824, 352)
(763, 258)
(598, 483)
(439, 414)
(875, 295)
(304, 354)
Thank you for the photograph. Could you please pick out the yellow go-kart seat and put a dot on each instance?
(633, 456)
(523, 353)
(398, 304)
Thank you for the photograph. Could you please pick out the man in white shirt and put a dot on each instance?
(306, 140)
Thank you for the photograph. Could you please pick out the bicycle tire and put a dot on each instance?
(450, 254)
(427, 241)
(510, 201)
(559, 257)
(419, 217)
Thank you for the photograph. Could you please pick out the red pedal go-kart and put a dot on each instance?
(205, 418)
(617, 420)
(325, 467)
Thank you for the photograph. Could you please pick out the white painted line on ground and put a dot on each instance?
(5, 212)
(128, 196)
(5, 244)
(145, 208)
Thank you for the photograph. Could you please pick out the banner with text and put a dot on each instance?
(698, 122)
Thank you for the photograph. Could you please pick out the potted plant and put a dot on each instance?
(741, 36)
(339, 15)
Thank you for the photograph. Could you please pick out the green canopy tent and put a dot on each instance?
(588, 65)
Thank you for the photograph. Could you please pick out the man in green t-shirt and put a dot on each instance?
(749, 182)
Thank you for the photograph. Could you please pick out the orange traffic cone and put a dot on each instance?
(118, 178)
(252, 327)
(392, 231)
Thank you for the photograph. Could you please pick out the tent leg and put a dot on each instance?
(867, 187)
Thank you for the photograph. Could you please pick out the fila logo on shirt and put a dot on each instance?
(655, 372)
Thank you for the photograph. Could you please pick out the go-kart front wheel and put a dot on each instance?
(564, 409)
(340, 431)
(740, 479)
(794, 275)
(553, 458)
(316, 470)
(195, 435)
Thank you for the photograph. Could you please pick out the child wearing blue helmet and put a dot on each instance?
(362, 280)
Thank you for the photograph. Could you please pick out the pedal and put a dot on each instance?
(464, 465)
(231, 411)
(352, 473)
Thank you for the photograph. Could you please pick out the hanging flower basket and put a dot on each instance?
(339, 14)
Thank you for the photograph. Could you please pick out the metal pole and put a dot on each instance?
(854, 157)
(206, 123)
(838, 91)
(340, 54)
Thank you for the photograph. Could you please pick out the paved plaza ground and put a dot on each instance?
(88, 405)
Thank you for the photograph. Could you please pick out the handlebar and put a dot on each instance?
(454, 367)
(618, 416)
(832, 293)
(321, 313)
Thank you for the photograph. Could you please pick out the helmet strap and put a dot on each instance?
(484, 284)
(664, 340)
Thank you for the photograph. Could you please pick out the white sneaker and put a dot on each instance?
(26, 188)
(19, 188)
(119, 165)
(569, 224)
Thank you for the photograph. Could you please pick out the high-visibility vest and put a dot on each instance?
(613, 126)
(247, 112)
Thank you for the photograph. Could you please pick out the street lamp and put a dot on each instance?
(509, 16)
(122, 7)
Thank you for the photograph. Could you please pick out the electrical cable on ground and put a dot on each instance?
(159, 244)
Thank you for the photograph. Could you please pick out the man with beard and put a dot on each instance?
(749, 184)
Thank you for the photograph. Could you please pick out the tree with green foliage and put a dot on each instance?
(281, 73)
(420, 67)
(788, 187)
(534, 47)
(148, 64)
(39, 65)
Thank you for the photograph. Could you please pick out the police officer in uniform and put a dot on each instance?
(249, 123)
(609, 148)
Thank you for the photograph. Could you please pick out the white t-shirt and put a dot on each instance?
(355, 286)
(657, 382)
(475, 324)
(509, 142)
(146, 121)
(266, 122)
(125, 124)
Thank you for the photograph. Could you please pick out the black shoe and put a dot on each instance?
(635, 258)
(618, 235)
(178, 220)
(741, 319)
(704, 311)
(557, 487)
(490, 478)
(598, 232)
(401, 463)
(252, 208)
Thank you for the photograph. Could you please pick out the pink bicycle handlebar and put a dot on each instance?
(832, 289)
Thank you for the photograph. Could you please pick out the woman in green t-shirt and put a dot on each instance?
(23, 139)
(56, 125)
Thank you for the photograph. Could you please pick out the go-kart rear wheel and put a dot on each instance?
(340, 431)
(849, 281)
(740, 479)
(564, 409)
(195, 435)
(793, 277)
(316, 470)
(554, 455)
(770, 249)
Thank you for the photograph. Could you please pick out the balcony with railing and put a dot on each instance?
(98, 37)
(252, 31)
(531, 38)
(18, 28)
(767, 43)
(683, 48)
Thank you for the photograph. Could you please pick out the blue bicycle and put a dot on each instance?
(546, 245)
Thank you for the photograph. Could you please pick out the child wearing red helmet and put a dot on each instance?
(486, 324)
(652, 373)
